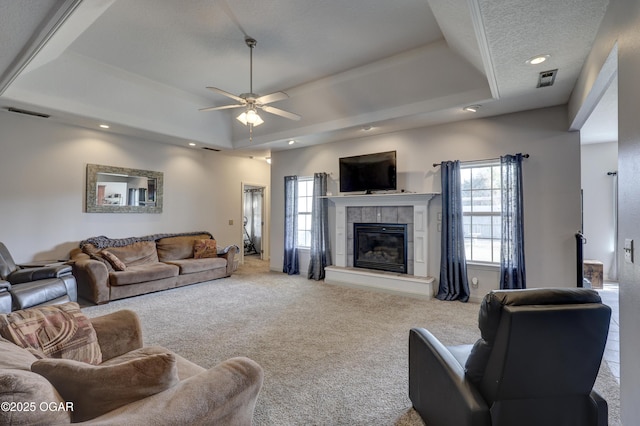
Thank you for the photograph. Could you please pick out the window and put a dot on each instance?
(305, 203)
(481, 209)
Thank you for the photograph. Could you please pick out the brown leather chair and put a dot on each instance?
(48, 285)
(535, 364)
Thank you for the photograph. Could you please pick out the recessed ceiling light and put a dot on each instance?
(471, 108)
(291, 142)
(192, 144)
(104, 126)
(537, 59)
(367, 128)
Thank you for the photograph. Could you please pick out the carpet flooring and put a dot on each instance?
(331, 355)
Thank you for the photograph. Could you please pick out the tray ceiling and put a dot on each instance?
(142, 66)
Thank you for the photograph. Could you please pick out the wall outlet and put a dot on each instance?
(230, 221)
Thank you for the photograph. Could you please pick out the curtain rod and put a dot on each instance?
(486, 159)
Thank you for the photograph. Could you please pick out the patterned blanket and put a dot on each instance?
(102, 242)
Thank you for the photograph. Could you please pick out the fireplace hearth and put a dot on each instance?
(381, 246)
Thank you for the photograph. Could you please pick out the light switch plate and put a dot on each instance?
(628, 250)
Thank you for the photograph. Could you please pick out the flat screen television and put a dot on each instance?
(369, 172)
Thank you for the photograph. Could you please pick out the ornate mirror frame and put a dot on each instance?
(95, 174)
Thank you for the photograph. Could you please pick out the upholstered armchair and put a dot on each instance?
(535, 364)
(29, 287)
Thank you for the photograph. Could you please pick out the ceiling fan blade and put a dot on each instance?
(220, 107)
(227, 94)
(281, 112)
(272, 97)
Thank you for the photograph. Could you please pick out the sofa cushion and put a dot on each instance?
(190, 266)
(204, 249)
(139, 253)
(116, 263)
(179, 247)
(28, 391)
(143, 273)
(57, 331)
(19, 385)
(14, 356)
(27, 295)
(98, 389)
(185, 368)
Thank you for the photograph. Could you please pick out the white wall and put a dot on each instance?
(42, 187)
(598, 203)
(551, 179)
(620, 25)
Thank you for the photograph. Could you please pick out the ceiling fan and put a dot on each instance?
(252, 102)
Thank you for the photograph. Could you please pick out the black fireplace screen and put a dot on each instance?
(381, 246)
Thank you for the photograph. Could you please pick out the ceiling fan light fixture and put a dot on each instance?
(250, 117)
(251, 102)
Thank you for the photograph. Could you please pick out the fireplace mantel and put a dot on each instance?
(420, 283)
(383, 199)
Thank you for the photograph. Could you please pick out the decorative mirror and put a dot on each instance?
(119, 190)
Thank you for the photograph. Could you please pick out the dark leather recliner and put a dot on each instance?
(535, 364)
(5, 297)
(27, 287)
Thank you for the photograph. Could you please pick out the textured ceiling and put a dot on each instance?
(142, 66)
(518, 30)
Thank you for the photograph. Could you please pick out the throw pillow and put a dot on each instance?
(57, 331)
(205, 248)
(96, 390)
(117, 264)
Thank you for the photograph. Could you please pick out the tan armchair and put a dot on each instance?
(225, 394)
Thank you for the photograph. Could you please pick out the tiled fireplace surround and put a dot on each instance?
(380, 214)
(406, 208)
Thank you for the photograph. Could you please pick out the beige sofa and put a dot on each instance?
(128, 386)
(108, 269)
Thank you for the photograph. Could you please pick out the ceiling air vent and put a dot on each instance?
(547, 78)
(27, 112)
(210, 149)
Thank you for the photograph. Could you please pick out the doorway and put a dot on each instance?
(599, 167)
(253, 220)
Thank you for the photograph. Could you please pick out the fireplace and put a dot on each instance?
(381, 246)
